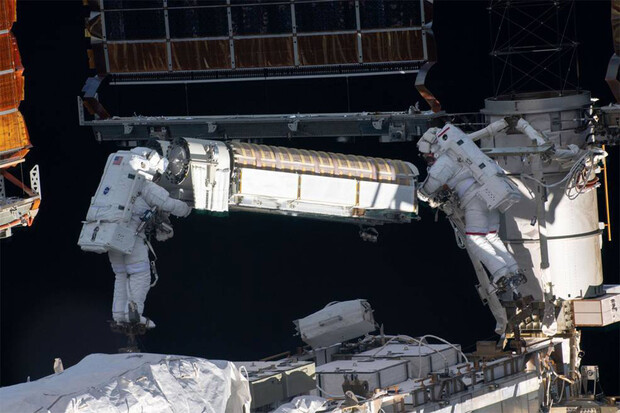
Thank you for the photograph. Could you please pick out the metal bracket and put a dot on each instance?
(293, 126)
(397, 132)
(127, 129)
(158, 132)
(211, 127)
(378, 124)
(611, 77)
(35, 180)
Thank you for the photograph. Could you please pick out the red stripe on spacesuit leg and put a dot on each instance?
(475, 233)
(492, 232)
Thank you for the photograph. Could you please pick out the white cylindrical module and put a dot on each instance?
(218, 176)
(569, 265)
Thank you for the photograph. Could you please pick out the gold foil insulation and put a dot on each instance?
(322, 163)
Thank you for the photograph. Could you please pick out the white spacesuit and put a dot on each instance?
(115, 223)
(453, 171)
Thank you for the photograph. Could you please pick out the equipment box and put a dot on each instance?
(431, 357)
(599, 311)
(337, 322)
(275, 381)
(376, 373)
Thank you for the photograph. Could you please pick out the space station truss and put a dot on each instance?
(166, 41)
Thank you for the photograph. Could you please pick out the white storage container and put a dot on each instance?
(276, 381)
(378, 373)
(337, 322)
(600, 311)
(432, 357)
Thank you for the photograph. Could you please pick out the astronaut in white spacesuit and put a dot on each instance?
(449, 172)
(127, 198)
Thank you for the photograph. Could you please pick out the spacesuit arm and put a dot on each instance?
(490, 130)
(438, 176)
(155, 195)
(430, 187)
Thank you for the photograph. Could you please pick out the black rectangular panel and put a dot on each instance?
(261, 19)
(198, 22)
(135, 25)
(325, 16)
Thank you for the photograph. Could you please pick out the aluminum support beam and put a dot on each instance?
(385, 126)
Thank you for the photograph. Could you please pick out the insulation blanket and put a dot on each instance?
(302, 404)
(135, 382)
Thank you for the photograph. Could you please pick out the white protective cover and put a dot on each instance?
(302, 404)
(495, 188)
(134, 383)
(337, 322)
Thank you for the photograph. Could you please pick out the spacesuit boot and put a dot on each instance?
(506, 286)
(549, 321)
(147, 322)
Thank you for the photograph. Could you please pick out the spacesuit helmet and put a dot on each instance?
(428, 141)
(157, 165)
(152, 164)
(427, 145)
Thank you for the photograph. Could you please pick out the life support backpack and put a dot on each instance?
(496, 189)
(107, 221)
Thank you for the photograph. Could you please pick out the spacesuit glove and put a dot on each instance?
(599, 154)
(189, 211)
(164, 232)
(434, 202)
(422, 196)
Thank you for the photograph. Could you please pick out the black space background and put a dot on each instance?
(230, 287)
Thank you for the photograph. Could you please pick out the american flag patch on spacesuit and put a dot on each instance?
(117, 160)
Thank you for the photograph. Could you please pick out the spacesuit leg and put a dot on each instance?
(498, 245)
(139, 272)
(119, 300)
(476, 230)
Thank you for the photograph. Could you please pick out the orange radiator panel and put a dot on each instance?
(11, 91)
(8, 14)
(9, 54)
(13, 132)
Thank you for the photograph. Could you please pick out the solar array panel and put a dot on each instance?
(212, 40)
